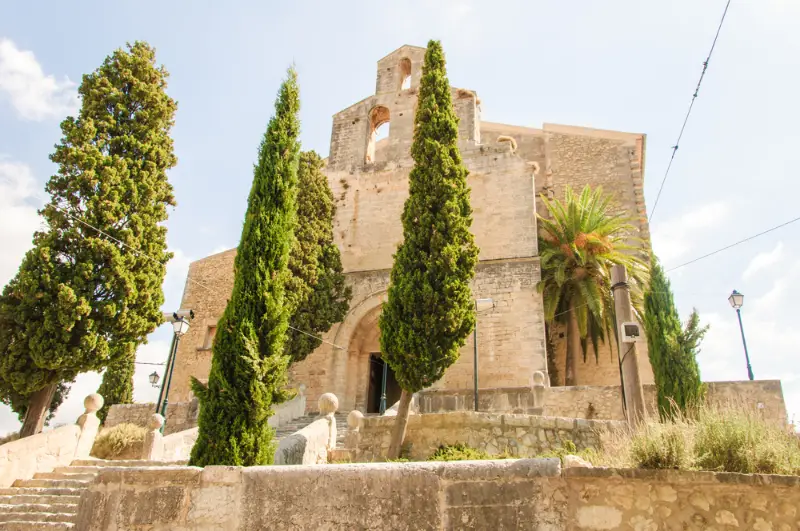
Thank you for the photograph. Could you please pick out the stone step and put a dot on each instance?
(12, 499)
(41, 491)
(52, 483)
(70, 508)
(65, 475)
(38, 517)
(122, 463)
(35, 526)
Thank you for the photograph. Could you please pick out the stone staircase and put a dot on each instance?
(49, 501)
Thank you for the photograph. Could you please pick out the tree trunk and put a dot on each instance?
(38, 405)
(399, 431)
(573, 347)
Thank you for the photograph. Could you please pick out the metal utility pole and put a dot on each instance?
(631, 382)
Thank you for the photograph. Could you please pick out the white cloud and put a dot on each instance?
(18, 216)
(673, 238)
(175, 279)
(763, 261)
(34, 95)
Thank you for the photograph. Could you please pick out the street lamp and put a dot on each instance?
(180, 325)
(475, 350)
(737, 300)
(154, 377)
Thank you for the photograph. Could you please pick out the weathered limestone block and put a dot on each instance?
(153, 447)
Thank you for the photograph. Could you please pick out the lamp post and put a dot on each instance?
(475, 347)
(154, 377)
(382, 408)
(737, 300)
(180, 325)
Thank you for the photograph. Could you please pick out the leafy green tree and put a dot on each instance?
(579, 242)
(80, 300)
(117, 385)
(248, 368)
(672, 348)
(316, 292)
(430, 309)
(19, 403)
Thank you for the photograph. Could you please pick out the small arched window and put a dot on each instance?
(378, 129)
(405, 73)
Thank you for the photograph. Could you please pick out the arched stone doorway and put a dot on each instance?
(365, 367)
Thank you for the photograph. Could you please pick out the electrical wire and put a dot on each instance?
(689, 112)
(139, 253)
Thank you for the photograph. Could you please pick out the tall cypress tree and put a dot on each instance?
(81, 300)
(117, 385)
(248, 368)
(672, 348)
(316, 293)
(430, 308)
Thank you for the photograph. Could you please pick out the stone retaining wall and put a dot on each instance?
(494, 495)
(180, 415)
(518, 435)
(598, 402)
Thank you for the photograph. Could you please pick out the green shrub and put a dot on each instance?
(657, 445)
(462, 452)
(123, 441)
(740, 440)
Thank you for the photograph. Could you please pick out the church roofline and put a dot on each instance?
(400, 48)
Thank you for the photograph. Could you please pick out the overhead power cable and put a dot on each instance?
(689, 111)
(139, 253)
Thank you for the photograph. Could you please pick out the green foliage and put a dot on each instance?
(117, 385)
(81, 300)
(462, 452)
(741, 440)
(730, 438)
(123, 441)
(672, 348)
(579, 242)
(430, 308)
(19, 403)
(248, 368)
(657, 445)
(316, 293)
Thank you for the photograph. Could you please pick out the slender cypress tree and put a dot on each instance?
(248, 368)
(430, 308)
(80, 300)
(316, 293)
(117, 385)
(672, 348)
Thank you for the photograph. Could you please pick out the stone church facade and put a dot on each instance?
(510, 168)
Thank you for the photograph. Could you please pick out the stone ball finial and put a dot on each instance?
(328, 403)
(302, 389)
(93, 402)
(354, 419)
(538, 378)
(155, 422)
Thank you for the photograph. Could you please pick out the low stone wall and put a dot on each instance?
(519, 435)
(501, 399)
(180, 415)
(597, 402)
(514, 494)
(23, 458)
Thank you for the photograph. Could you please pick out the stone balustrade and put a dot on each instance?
(43, 452)
(312, 444)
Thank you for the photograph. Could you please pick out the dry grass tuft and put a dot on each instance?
(123, 441)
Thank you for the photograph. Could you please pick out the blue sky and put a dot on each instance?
(620, 64)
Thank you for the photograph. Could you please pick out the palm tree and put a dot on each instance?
(579, 242)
